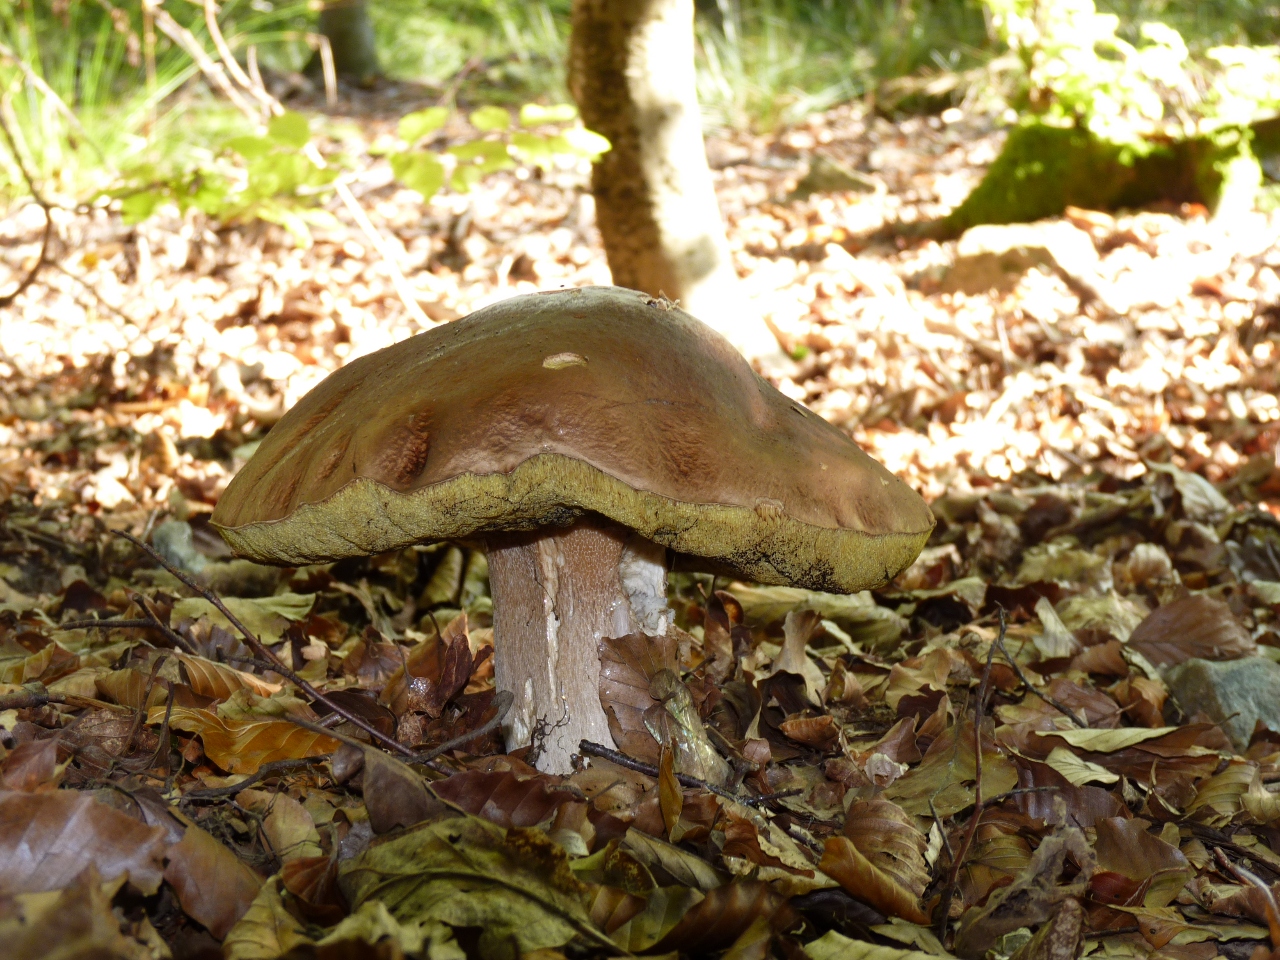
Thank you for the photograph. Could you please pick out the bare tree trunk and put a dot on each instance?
(349, 30)
(631, 72)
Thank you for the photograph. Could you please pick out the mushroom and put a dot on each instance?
(583, 438)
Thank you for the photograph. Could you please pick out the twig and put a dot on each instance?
(411, 757)
(27, 698)
(943, 915)
(1244, 876)
(146, 699)
(102, 624)
(37, 196)
(261, 650)
(1061, 708)
(589, 749)
(258, 92)
(502, 700)
(195, 49)
(264, 771)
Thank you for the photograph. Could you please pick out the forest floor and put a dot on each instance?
(1100, 453)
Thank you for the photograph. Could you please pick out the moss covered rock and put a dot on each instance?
(1044, 169)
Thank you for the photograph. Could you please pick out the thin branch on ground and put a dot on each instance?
(942, 916)
(261, 650)
(263, 772)
(1060, 707)
(589, 749)
(502, 700)
(6, 127)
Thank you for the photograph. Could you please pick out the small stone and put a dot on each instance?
(995, 256)
(827, 176)
(1235, 694)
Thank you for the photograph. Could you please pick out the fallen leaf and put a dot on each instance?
(887, 836)
(242, 746)
(504, 797)
(76, 922)
(267, 618)
(48, 839)
(1196, 626)
(627, 667)
(514, 885)
(219, 681)
(1128, 848)
(861, 878)
(266, 930)
(212, 884)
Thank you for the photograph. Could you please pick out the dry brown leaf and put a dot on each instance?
(1059, 939)
(46, 665)
(437, 670)
(1142, 699)
(48, 839)
(129, 687)
(798, 629)
(212, 884)
(821, 733)
(504, 797)
(32, 766)
(219, 681)
(861, 878)
(395, 795)
(1220, 797)
(1126, 847)
(920, 680)
(1034, 895)
(670, 793)
(723, 915)
(943, 782)
(77, 923)
(242, 746)
(627, 668)
(742, 840)
(1196, 626)
(887, 835)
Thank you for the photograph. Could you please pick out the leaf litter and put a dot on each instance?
(989, 757)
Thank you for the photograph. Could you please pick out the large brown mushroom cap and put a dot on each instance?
(543, 408)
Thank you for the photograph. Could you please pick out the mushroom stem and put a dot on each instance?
(556, 594)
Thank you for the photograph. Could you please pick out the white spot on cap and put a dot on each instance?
(558, 361)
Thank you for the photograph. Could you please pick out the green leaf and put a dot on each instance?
(514, 885)
(464, 178)
(138, 206)
(586, 143)
(418, 171)
(491, 118)
(291, 129)
(414, 126)
(250, 147)
(539, 150)
(535, 114)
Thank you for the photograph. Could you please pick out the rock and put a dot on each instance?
(827, 176)
(1043, 169)
(175, 541)
(996, 256)
(1236, 694)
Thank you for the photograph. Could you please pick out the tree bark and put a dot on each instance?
(631, 72)
(349, 30)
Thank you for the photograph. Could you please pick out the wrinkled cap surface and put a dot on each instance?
(541, 409)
